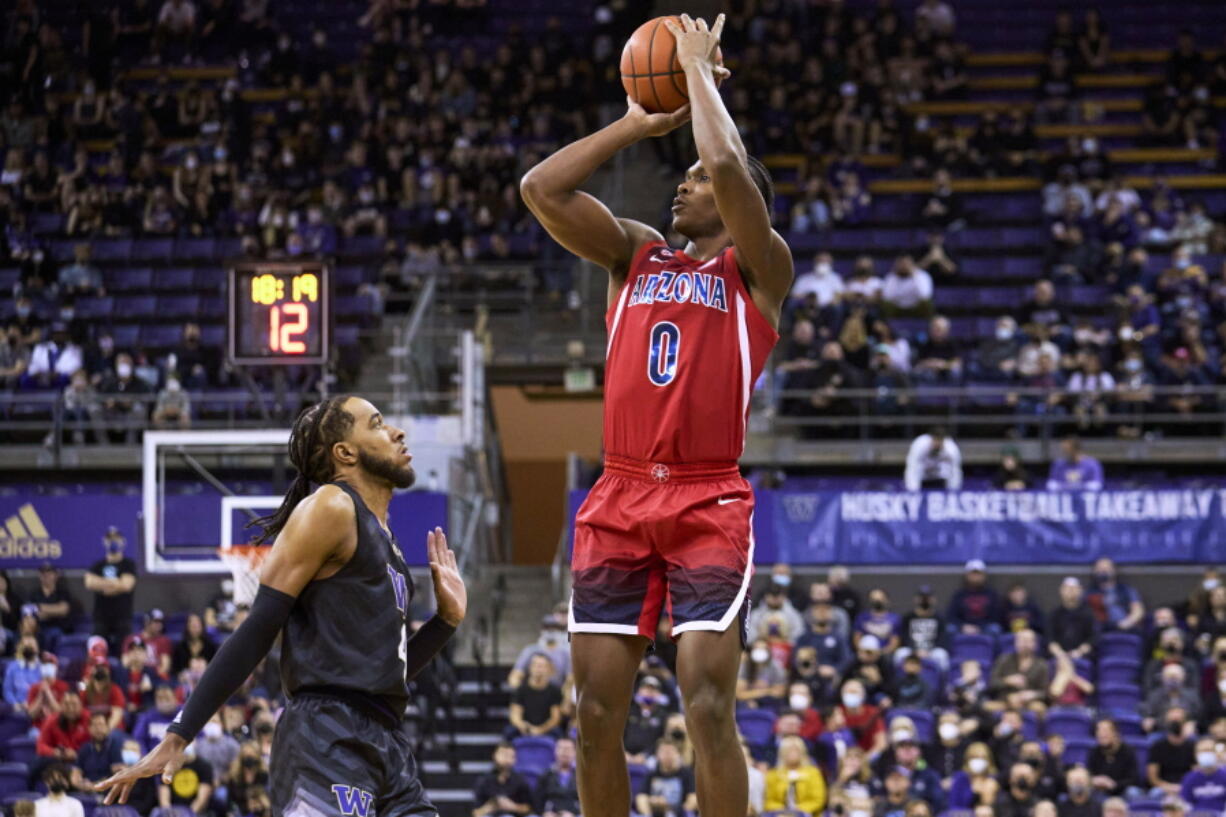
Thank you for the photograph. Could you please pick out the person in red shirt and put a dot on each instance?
(97, 653)
(60, 736)
(139, 678)
(861, 718)
(101, 695)
(800, 701)
(156, 641)
(45, 696)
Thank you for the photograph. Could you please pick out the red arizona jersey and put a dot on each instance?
(686, 343)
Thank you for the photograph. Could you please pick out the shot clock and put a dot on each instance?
(279, 313)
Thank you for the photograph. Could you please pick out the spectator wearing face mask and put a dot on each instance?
(44, 697)
(775, 603)
(217, 749)
(1173, 693)
(905, 753)
(800, 702)
(1116, 605)
(101, 694)
(552, 643)
(822, 282)
(923, 631)
(1204, 788)
(248, 775)
(57, 803)
(861, 718)
(975, 784)
(909, 689)
(112, 580)
(1171, 757)
(1079, 798)
(761, 676)
(1018, 797)
(22, 674)
(646, 719)
(947, 752)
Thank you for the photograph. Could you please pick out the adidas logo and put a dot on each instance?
(25, 537)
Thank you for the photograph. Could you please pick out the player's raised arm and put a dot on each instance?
(761, 252)
(320, 530)
(579, 221)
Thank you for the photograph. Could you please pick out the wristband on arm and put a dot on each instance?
(424, 644)
(235, 661)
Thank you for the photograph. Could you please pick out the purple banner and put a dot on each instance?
(66, 529)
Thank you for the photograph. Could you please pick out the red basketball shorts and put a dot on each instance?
(652, 534)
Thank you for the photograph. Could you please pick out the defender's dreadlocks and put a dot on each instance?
(317, 429)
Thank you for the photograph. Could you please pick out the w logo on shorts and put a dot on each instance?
(352, 802)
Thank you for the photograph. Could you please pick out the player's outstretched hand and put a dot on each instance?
(165, 759)
(695, 42)
(448, 585)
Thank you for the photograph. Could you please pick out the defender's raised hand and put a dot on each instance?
(449, 590)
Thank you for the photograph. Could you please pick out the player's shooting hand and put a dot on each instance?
(165, 759)
(449, 588)
(655, 124)
(695, 42)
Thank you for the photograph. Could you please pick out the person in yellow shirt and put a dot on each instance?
(795, 783)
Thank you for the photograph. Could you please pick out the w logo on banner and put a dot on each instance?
(800, 507)
(352, 802)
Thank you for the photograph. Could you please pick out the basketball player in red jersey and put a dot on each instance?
(669, 522)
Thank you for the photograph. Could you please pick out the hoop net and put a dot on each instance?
(244, 562)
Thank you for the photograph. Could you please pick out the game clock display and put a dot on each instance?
(279, 313)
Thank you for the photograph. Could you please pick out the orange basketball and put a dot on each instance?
(651, 74)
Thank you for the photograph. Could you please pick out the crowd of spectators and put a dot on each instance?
(388, 131)
(850, 702)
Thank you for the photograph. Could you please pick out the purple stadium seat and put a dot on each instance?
(1126, 645)
(20, 750)
(175, 279)
(638, 777)
(152, 249)
(350, 276)
(13, 798)
(160, 336)
(346, 335)
(212, 335)
(135, 307)
(1076, 750)
(61, 250)
(195, 249)
(1070, 722)
(1000, 297)
(348, 306)
(13, 780)
(956, 297)
(1118, 670)
(125, 335)
(115, 811)
(93, 308)
(124, 279)
(756, 725)
(178, 306)
(1118, 697)
(114, 249)
(362, 245)
(533, 755)
(1129, 723)
(973, 646)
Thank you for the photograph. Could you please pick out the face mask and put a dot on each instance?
(1183, 263)
(190, 162)
(250, 762)
(949, 731)
(1221, 687)
(759, 655)
(101, 675)
(1171, 683)
(173, 386)
(1174, 728)
(1022, 784)
(821, 269)
(1078, 789)
(28, 653)
(677, 735)
(782, 581)
(798, 702)
(1089, 145)
(645, 700)
(1103, 578)
(47, 671)
(1004, 334)
(852, 700)
(336, 132)
(1207, 760)
(1133, 364)
(124, 370)
(212, 729)
(1006, 729)
(114, 547)
(56, 786)
(23, 311)
(130, 756)
(977, 765)
(1210, 584)
(877, 604)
